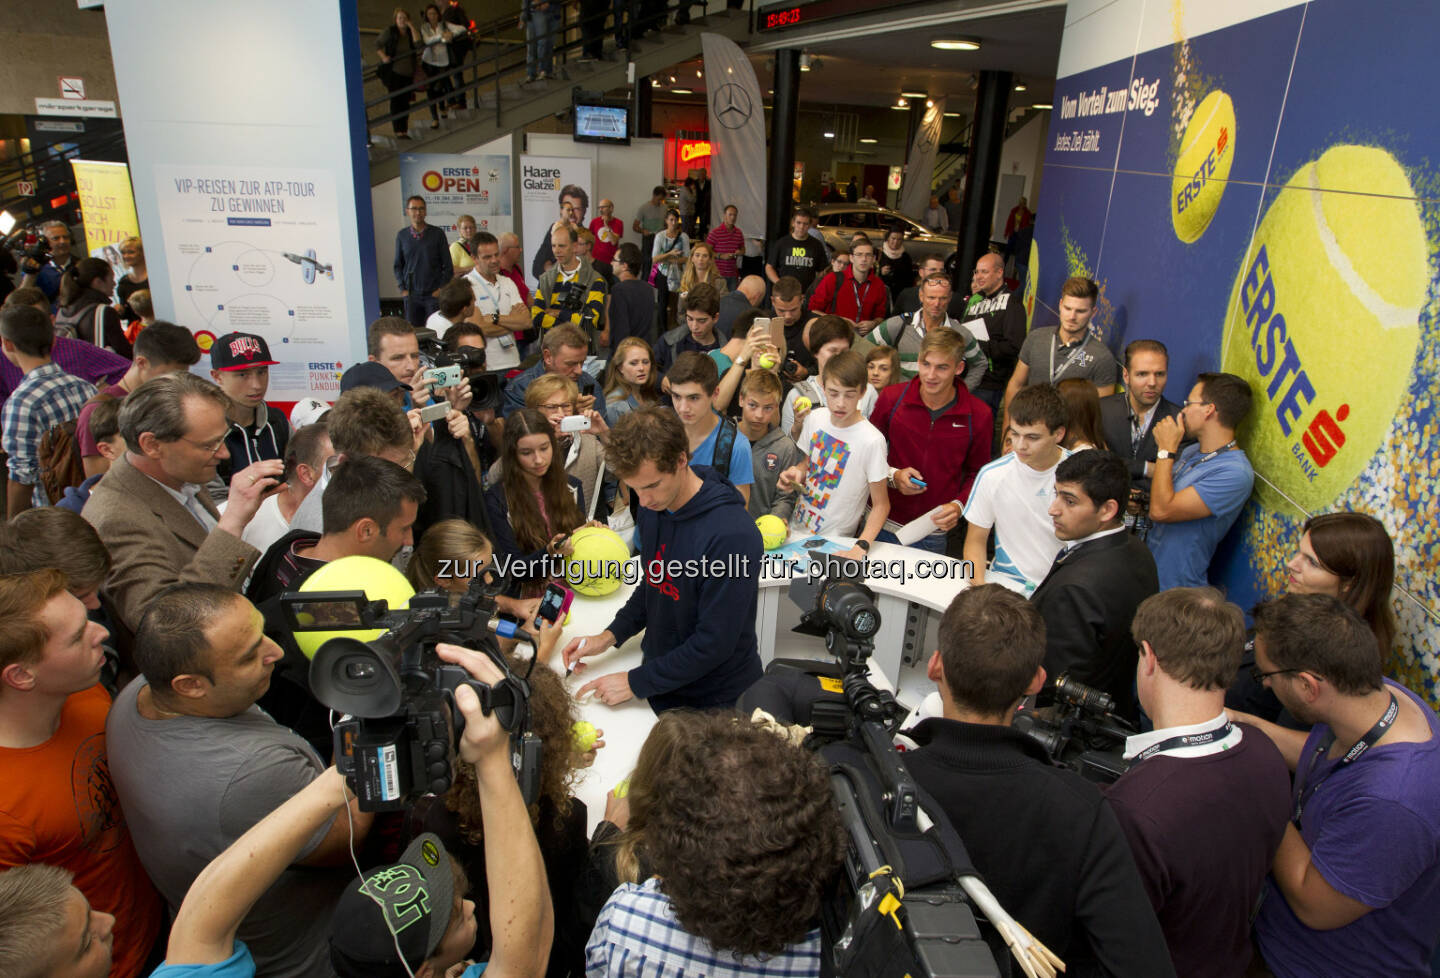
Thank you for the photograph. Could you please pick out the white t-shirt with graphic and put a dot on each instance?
(1015, 499)
(843, 464)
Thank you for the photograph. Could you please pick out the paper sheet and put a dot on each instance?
(977, 328)
(919, 528)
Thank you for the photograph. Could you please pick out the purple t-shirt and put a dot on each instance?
(88, 448)
(1373, 828)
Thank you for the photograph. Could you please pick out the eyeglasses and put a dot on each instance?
(208, 447)
(1186, 404)
(563, 408)
(1260, 676)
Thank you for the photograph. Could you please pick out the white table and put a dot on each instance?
(905, 637)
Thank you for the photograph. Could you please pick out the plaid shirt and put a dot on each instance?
(637, 936)
(47, 397)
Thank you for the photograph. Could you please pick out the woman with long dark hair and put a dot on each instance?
(535, 506)
(85, 310)
(1084, 429)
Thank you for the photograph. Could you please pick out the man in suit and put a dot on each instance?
(1089, 597)
(152, 509)
(1129, 416)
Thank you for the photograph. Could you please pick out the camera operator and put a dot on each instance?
(420, 899)
(741, 834)
(1205, 801)
(196, 763)
(699, 648)
(570, 291)
(44, 265)
(394, 343)
(1043, 838)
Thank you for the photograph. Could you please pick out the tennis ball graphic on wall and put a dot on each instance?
(1203, 167)
(1323, 322)
(1032, 282)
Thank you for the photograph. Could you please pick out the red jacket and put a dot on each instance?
(854, 300)
(947, 452)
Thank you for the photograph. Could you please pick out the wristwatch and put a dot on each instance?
(863, 545)
(1163, 454)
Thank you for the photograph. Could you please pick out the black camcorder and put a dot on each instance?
(470, 359)
(1080, 730)
(397, 737)
(899, 909)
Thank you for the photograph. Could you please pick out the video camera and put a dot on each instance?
(899, 909)
(37, 251)
(470, 359)
(398, 736)
(1080, 730)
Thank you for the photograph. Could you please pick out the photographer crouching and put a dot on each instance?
(1041, 836)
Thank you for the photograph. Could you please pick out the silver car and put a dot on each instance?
(839, 222)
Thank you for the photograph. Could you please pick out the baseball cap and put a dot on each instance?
(409, 903)
(307, 411)
(240, 351)
(370, 373)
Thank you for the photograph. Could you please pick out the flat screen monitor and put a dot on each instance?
(602, 123)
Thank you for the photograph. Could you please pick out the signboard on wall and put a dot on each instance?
(542, 178)
(258, 250)
(1269, 218)
(107, 205)
(452, 185)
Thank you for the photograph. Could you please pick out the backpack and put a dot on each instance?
(67, 323)
(724, 445)
(59, 456)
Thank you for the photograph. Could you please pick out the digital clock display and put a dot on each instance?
(788, 17)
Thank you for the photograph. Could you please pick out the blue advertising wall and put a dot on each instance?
(1254, 184)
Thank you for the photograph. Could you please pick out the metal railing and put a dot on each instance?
(49, 172)
(513, 56)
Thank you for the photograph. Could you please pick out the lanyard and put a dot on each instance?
(1202, 459)
(494, 297)
(1307, 790)
(1054, 348)
(1186, 740)
(1138, 425)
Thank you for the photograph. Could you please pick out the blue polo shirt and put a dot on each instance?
(742, 471)
(1182, 551)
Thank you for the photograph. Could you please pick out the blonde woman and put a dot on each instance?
(462, 250)
(700, 267)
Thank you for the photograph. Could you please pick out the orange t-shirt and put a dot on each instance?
(58, 806)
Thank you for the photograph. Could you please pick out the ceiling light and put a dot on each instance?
(913, 94)
(869, 142)
(952, 115)
(697, 73)
(7, 222)
(672, 79)
(956, 44)
(682, 91)
(1019, 88)
(828, 135)
(729, 71)
(929, 103)
(654, 83)
(1042, 105)
(901, 106)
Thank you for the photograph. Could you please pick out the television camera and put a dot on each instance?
(1080, 730)
(397, 737)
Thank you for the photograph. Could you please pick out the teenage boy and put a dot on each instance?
(240, 364)
(827, 336)
(1012, 495)
(698, 335)
(714, 440)
(845, 462)
(1051, 354)
(939, 436)
(772, 451)
(700, 649)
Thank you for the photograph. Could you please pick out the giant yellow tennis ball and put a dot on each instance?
(1203, 166)
(772, 530)
(375, 577)
(1323, 322)
(597, 561)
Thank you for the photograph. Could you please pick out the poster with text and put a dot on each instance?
(257, 250)
(455, 185)
(1275, 217)
(107, 205)
(542, 178)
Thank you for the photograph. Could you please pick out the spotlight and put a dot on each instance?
(956, 44)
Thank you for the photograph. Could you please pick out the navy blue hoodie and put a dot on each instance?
(699, 645)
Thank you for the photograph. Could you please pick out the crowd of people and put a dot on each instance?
(167, 800)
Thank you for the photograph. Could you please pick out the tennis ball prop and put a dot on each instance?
(1323, 322)
(1206, 153)
(584, 734)
(802, 404)
(767, 362)
(772, 530)
(375, 577)
(596, 564)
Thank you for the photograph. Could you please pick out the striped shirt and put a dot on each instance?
(906, 333)
(725, 240)
(47, 397)
(637, 936)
